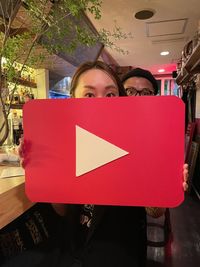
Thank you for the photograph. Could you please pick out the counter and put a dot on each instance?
(13, 200)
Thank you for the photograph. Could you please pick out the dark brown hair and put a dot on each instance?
(100, 66)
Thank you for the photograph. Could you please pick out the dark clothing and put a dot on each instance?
(115, 238)
(116, 235)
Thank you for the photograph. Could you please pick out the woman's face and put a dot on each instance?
(96, 83)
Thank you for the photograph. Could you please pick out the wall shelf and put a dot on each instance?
(25, 83)
(16, 106)
(191, 67)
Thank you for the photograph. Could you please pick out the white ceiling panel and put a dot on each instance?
(166, 27)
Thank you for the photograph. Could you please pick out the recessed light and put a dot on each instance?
(164, 53)
(144, 14)
(161, 70)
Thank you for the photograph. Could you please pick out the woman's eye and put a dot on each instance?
(89, 95)
(111, 95)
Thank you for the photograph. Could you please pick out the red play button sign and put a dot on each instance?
(115, 151)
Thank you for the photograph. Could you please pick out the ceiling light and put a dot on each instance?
(161, 70)
(164, 53)
(144, 14)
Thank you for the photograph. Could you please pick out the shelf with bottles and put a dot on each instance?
(190, 62)
(26, 83)
(22, 75)
(17, 106)
(20, 96)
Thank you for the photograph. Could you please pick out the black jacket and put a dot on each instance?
(116, 235)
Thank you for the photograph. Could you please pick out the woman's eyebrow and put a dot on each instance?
(111, 86)
(89, 87)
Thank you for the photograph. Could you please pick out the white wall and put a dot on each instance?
(42, 80)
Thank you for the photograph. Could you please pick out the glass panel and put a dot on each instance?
(166, 87)
(159, 87)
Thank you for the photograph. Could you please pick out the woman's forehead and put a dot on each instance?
(96, 75)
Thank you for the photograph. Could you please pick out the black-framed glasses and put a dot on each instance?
(132, 91)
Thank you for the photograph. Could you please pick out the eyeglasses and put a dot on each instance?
(132, 91)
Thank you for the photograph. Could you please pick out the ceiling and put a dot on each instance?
(174, 24)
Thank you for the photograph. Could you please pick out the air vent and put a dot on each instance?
(144, 14)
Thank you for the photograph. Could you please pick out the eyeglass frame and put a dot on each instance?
(140, 92)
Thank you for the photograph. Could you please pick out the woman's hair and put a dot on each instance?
(100, 66)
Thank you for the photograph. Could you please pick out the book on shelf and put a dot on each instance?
(192, 160)
(188, 138)
(196, 176)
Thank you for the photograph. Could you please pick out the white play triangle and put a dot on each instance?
(93, 151)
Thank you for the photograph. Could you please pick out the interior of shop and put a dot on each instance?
(162, 37)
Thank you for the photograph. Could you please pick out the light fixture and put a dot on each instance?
(161, 70)
(144, 14)
(164, 53)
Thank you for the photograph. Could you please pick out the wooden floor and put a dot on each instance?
(183, 248)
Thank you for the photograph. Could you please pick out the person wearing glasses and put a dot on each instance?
(140, 82)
